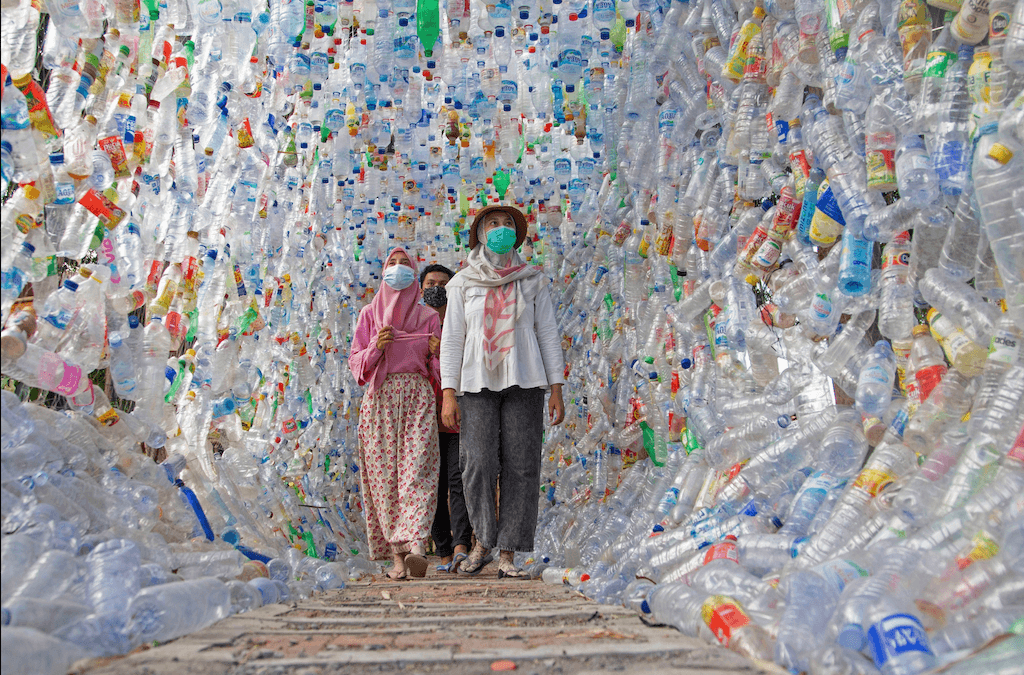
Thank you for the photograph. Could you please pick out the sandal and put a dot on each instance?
(416, 565)
(508, 570)
(476, 561)
(453, 566)
(404, 576)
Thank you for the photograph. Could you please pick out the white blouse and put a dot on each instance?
(534, 361)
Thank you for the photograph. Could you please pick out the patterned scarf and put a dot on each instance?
(500, 275)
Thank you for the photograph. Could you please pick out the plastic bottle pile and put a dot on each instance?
(199, 195)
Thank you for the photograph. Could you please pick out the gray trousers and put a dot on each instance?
(501, 439)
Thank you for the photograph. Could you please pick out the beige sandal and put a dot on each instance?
(508, 570)
(477, 560)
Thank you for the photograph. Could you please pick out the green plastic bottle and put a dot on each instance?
(428, 25)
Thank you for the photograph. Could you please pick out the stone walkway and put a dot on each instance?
(441, 624)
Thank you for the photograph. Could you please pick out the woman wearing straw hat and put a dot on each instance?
(500, 351)
(394, 353)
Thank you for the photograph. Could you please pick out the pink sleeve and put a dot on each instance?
(434, 361)
(364, 356)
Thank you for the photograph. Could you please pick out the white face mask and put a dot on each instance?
(399, 277)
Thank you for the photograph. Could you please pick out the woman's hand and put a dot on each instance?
(450, 415)
(556, 408)
(385, 336)
(434, 345)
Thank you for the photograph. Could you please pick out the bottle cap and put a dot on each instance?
(1000, 153)
(920, 329)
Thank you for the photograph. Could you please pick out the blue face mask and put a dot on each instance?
(399, 277)
(501, 240)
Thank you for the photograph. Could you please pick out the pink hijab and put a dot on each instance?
(411, 321)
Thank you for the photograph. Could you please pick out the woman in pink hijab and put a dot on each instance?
(395, 355)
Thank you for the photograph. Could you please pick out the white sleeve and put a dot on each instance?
(548, 337)
(453, 340)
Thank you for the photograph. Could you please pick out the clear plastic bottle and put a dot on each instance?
(874, 383)
(880, 148)
(896, 307)
(734, 629)
(996, 173)
(169, 611)
(916, 178)
(897, 639)
(959, 303)
(1012, 52)
(927, 366)
(966, 355)
(949, 145)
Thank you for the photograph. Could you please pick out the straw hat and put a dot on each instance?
(517, 217)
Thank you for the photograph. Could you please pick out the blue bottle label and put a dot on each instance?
(895, 635)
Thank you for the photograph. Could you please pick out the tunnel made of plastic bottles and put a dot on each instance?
(783, 240)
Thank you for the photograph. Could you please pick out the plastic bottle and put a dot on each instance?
(733, 628)
(897, 639)
(959, 303)
(994, 168)
(874, 383)
(896, 307)
(927, 365)
(916, 178)
(169, 611)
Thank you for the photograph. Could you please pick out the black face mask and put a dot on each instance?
(435, 296)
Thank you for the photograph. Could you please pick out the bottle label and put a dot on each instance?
(61, 319)
(873, 481)
(1004, 348)
(109, 418)
(726, 550)
(899, 423)
(897, 634)
(928, 378)
(65, 193)
(839, 573)
(881, 167)
(827, 223)
(822, 481)
(768, 254)
(821, 306)
(509, 90)
(895, 256)
(723, 616)
(570, 58)
(1017, 451)
(937, 63)
(998, 22)
(982, 547)
(48, 367)
(874, 374)
(114, 148)
(782, 131)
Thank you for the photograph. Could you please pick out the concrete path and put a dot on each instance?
(441, 624)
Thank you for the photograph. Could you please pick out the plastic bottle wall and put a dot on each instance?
(786, 241)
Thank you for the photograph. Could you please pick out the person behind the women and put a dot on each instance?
(451, 531)
(500, 351)
(394, 354)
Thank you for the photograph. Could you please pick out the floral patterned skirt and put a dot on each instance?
(399, 462)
